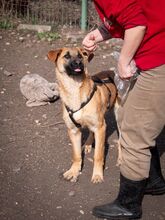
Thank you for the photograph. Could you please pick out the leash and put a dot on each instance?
(71, 112)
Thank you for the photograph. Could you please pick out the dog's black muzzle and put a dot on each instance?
(75, 67)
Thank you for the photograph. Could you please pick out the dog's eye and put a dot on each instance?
(79, 56)
(67, 56)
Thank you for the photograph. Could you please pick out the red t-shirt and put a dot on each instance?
(119, 15)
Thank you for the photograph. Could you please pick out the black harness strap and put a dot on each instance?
(103, 81)
(71, 112)
(96, 81)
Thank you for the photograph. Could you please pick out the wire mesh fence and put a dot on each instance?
(50, 12)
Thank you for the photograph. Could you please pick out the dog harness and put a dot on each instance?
(71, 112)
(96, 81)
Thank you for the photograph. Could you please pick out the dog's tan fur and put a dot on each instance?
(74, 90)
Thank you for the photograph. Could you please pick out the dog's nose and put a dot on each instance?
(76, 63)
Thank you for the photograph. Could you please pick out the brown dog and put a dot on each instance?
(84, 104)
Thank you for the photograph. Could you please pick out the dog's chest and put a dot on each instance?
(71, 94)
(85, 119)
(78, 116)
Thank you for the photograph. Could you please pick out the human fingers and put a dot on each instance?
(92, 37)
(125, 71)
(90, 49)
(88, 43)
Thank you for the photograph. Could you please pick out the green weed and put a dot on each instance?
(50, 36)
(5, 24)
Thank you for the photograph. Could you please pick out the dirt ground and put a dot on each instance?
(35, 149)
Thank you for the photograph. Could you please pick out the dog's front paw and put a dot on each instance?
(71, 175)
(97, 178)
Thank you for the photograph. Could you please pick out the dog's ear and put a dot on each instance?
(87, 54)
(53, 55)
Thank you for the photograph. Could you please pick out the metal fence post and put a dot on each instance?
(84, 9)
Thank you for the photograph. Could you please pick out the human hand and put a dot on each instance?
(126, 69)
(89, 42)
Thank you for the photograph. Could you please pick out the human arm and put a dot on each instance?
(132, 40)
(94, 37)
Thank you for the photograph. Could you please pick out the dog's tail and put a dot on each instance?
(113, 93)
(108, 82)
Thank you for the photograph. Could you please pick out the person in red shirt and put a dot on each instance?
(141, 118)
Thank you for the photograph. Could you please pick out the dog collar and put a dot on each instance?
(71, 112)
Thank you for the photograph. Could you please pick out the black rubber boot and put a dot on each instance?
(128, 203)
(156, 183)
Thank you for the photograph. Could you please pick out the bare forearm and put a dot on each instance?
(132, 40)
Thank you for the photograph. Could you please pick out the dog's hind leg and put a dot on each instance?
(97, 176)
(89, 142)
(73, 173)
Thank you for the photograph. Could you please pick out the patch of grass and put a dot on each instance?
(50, 36)
(5, 24)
